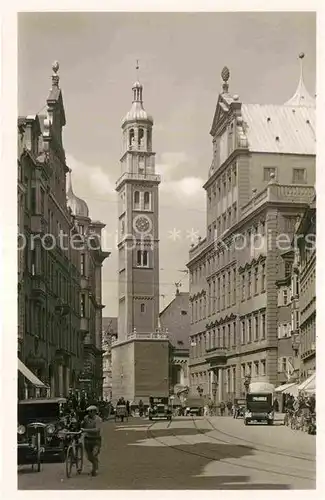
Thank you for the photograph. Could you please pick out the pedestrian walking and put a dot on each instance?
(92, 429)
(229, 408)
(222, 408)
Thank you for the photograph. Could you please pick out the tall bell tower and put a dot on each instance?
(140, 355)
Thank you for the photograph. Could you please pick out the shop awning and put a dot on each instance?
(29, 375)
(284, 387)
(308, 385)
(293, 390)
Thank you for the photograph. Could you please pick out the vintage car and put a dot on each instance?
(39, 424)
(194, 407)
(259, 403)
(159, 408)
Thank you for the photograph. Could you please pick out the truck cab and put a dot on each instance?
(259, 403)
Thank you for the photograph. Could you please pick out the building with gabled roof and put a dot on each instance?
(260, 180)
(174, 319)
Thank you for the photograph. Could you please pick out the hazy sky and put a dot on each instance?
(181, 56)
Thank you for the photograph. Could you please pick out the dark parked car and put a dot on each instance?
(40, 420)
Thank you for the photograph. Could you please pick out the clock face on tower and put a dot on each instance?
(142, 224)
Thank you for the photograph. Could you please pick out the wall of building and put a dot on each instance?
(151, 369)
(123, 371)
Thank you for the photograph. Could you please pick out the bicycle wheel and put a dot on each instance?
(79, 457)
(69, 461)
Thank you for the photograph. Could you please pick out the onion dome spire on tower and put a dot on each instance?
(137, 111)
(301, 96)
(78, 207)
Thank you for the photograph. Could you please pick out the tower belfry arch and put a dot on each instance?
(140, 354)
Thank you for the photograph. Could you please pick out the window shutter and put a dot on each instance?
(280, 364)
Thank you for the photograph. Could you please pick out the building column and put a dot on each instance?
(61, 381)
(220, 384)
(67, 380)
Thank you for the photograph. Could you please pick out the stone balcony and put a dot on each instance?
(279, 193)
(159, 335)
(216, 355)
(130, 176)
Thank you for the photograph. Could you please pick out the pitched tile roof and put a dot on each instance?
(280, 128)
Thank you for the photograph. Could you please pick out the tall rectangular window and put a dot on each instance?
(218, 295)
(263, 367)
(299, 176)
(42, 201)
(229, 289)
(256, 329)
(263, 332)
(256, 281)
(147, 204)
(83, 305)
(234, 330)
(234, 277)
(249, 334)
(249, 285)
(285, 297)
(243, 332)
(263, 278)
(33, 205)
(268, 172)
(243, 287)
(83, 264)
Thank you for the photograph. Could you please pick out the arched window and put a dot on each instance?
(131, 136)
(145, 258)
(136, 199)
(139, 258)
(147, 200)
(149, 140)
(140, 137)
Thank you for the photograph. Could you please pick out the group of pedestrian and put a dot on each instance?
(211, 409)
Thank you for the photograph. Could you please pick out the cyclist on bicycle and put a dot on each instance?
(92, 429)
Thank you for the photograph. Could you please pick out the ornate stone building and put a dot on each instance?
(109, 335)
(140, 355)
(91, 260)
(261, 178)
(304, 323)
(49, 337)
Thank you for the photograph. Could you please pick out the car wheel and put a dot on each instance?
(246, 421)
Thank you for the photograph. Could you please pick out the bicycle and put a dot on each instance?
(75, 453)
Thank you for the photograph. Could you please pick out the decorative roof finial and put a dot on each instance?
(301, 96)
(137, 69)
(55, 76)
(225, 74)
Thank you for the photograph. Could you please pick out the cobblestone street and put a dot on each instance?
(205, 453)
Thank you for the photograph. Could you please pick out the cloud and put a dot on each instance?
(87, 178)
(188, 187)
(169, 162)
